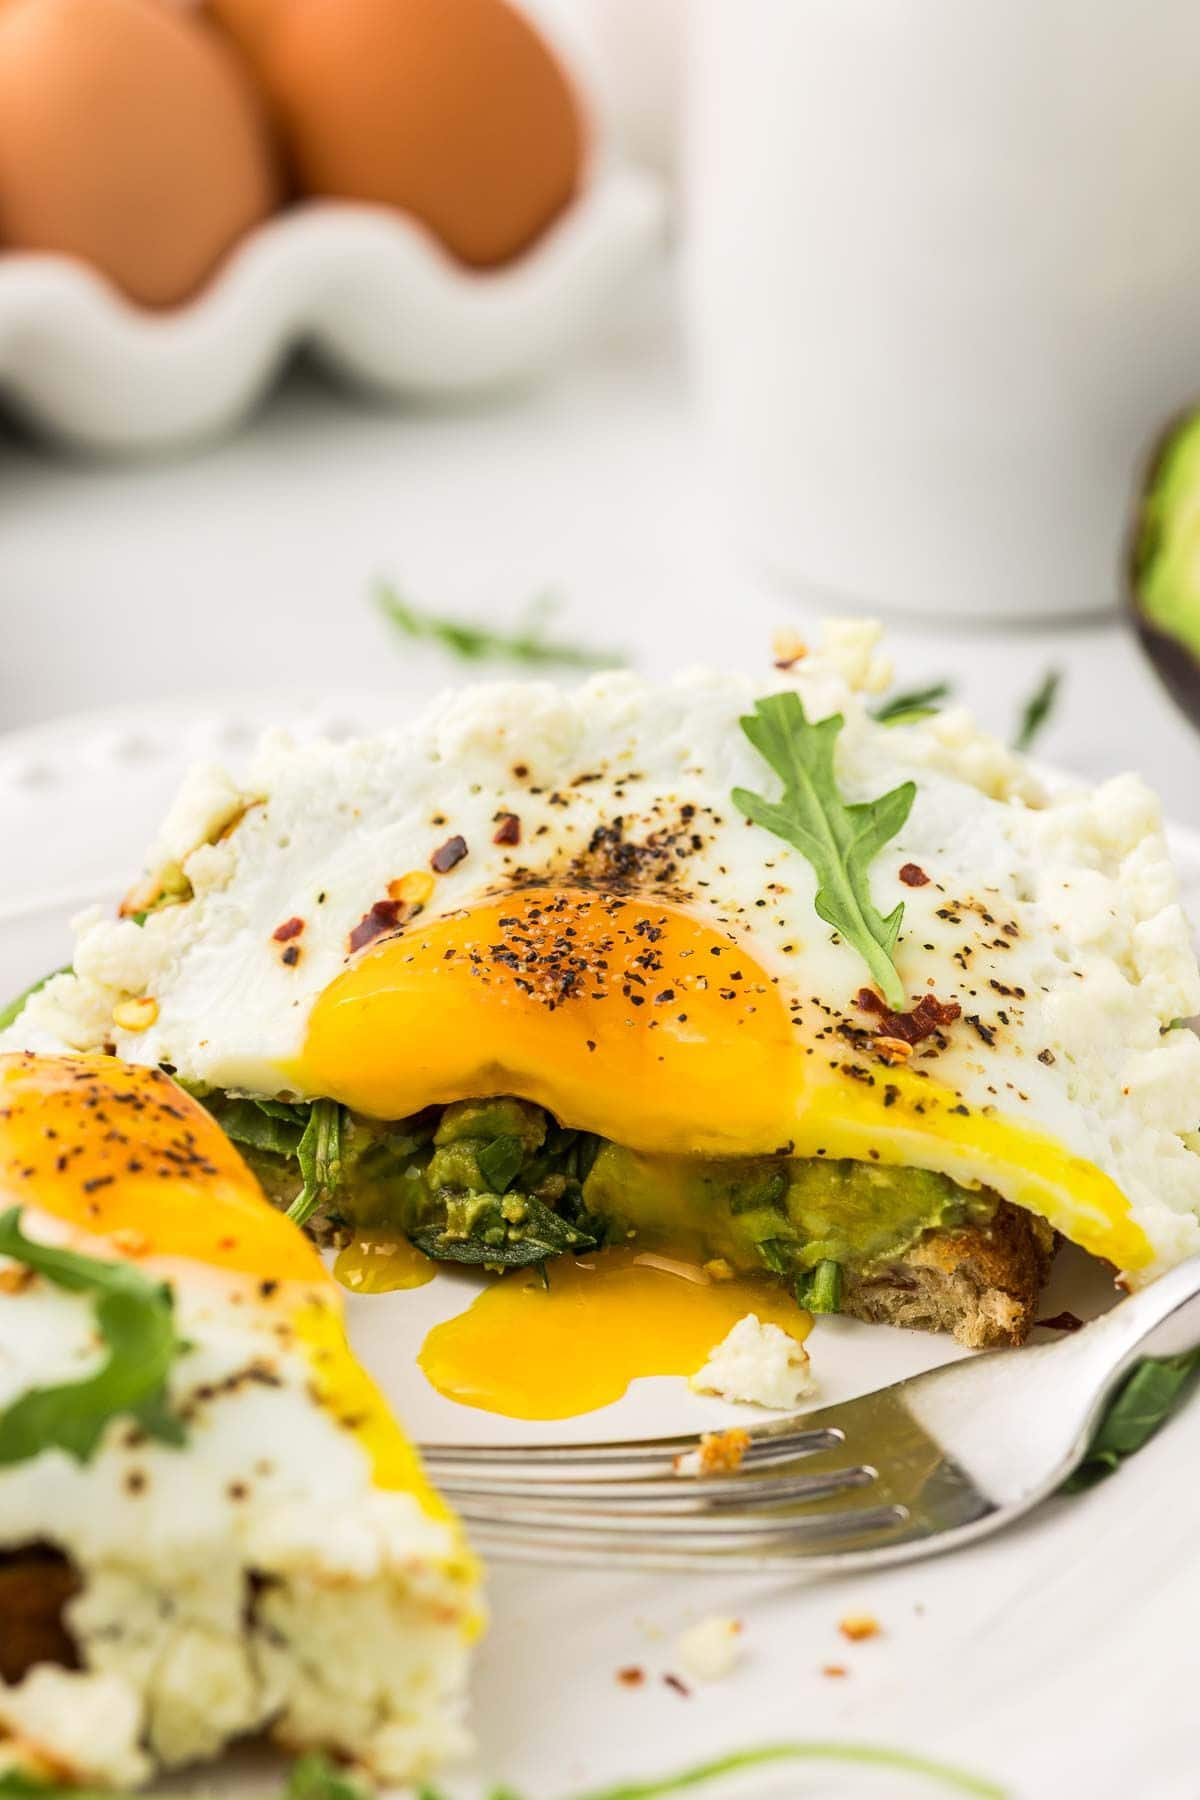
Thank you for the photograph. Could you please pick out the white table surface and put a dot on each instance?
(246, 565)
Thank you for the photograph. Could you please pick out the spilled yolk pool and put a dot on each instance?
(380, 1264)
(531, 1352)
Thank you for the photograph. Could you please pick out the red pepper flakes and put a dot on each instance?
(632, 1676)
(448, 855)
(508, 829)
(835, 1671)
(926, 1017)
(289, 929)
(912, 875)
(385, 915)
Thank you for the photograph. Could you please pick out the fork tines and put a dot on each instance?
(651, 1503)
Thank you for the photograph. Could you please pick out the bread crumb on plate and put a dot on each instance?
(708, 1650)
(857, 1627)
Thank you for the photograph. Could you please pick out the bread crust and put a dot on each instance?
(981, 1283)
(36, 1582)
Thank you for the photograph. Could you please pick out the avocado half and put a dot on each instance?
(1164, 562)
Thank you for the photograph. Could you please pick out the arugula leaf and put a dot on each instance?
(316, 1777)
(1143, 1404)
(136, 1321)
(819, 1289)
(11, 1013)
(527, 644)
(1037, 709)
(869, 1755)
(839, 841)
(917, 703)
(319, 1154)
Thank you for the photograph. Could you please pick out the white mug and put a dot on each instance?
(944, 285)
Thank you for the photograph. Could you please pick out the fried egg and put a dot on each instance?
(288, 1568)
(551, 894)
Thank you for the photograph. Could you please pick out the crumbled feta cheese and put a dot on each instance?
(708, 1650)
(82, 1728)
(208, 801)
(759, 1363)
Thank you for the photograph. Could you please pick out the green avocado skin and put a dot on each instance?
(500, 1184)
(1166, 549)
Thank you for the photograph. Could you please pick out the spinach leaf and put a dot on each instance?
(268, 1125)
(1144, 1403)
(526, 1232)
(839, 841)
(11, 1013)
(319, 1154)
(136, 1321)
(500, 1162)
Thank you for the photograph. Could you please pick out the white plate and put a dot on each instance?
(1055, 1659)
(368, 290)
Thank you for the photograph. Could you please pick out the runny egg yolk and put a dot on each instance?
(380, 1263)
(628, 1017)
(535, 1352)
(121, 1152)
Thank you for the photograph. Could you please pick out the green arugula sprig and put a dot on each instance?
(316, 1777)
(917, 703)
(839, 841)
(136, 1320)
(1036, 711)
(527, 643)
(319, 1154)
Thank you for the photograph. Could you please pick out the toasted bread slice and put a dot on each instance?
(981, 1283)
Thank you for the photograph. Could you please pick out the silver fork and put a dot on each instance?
(922, 1466)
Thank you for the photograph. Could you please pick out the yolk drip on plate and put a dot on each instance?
(532, 1352)
(378, 1263)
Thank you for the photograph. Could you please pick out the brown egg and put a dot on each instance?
(455, 111)
(131, 136)
(247, 21)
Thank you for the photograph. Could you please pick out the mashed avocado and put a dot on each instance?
(499, 1183)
